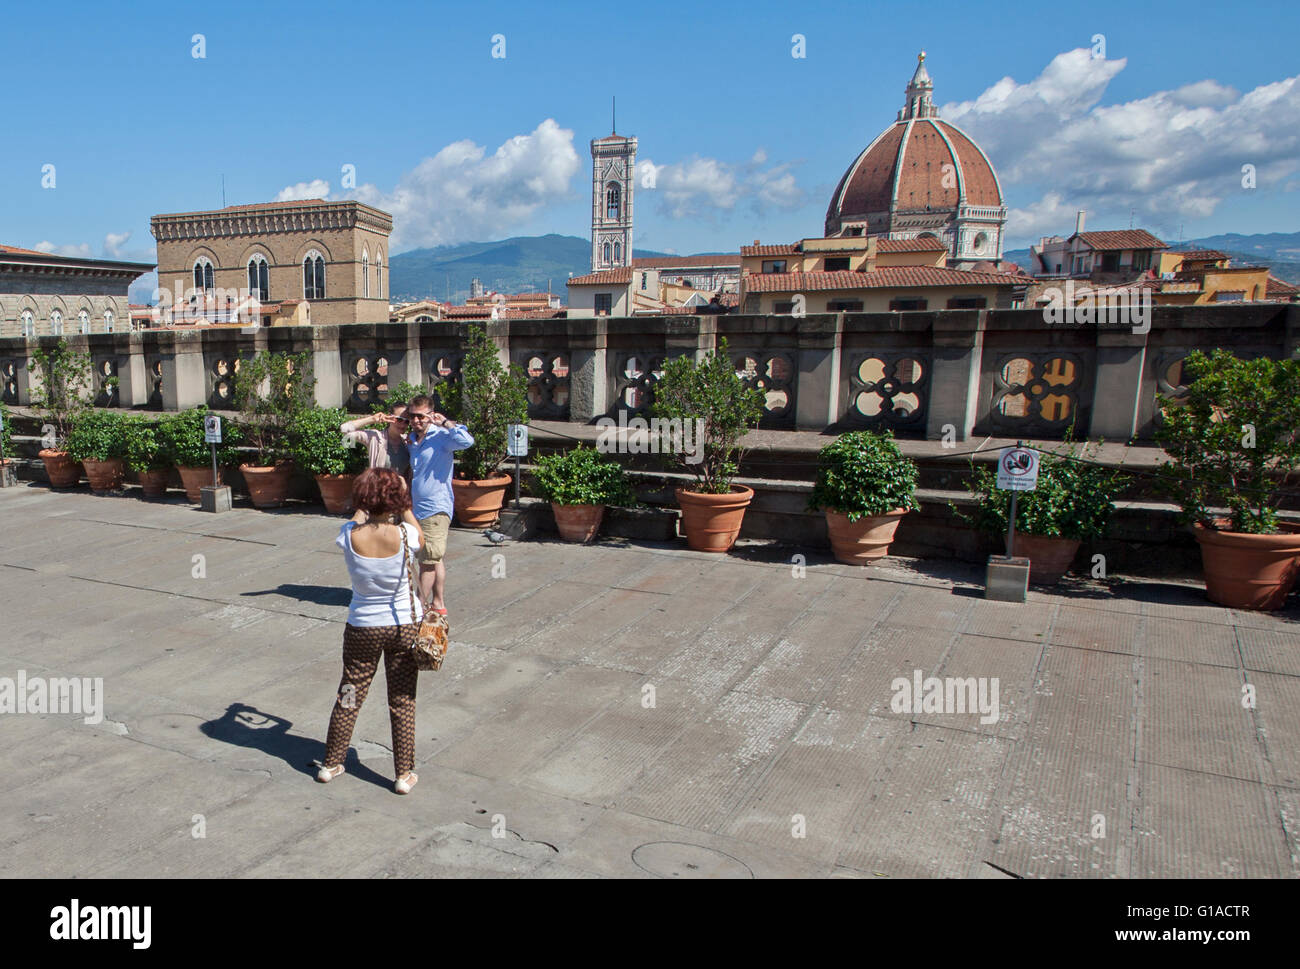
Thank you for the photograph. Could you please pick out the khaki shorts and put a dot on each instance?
(435, 538)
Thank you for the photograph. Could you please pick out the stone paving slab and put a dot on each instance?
(627, 709)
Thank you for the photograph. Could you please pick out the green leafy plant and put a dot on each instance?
(582, 476)
(1232, 440)
(182, 444)
(1072, 498)
(862, 474)
(97, 435)
(65, 386)
(318, 446)
(144, 444)
(6, 434)
(487, 399)
(400, 393)
(710, 391)
(272, 389)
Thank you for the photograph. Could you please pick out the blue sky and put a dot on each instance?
(748, 139)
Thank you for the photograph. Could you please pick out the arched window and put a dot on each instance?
(56, 322)
(259, 280)
(424, 318)
(313, 276)
(618, 253)
(605, 253)
(83, 321)
(613, 201)
(29, 323)
(365, 273)
(203, 275)
(379, 274)
(108, 321)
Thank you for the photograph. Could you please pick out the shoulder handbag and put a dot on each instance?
(431, 639)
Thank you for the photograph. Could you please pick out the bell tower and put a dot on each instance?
(613, 159)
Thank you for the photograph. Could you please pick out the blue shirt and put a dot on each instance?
(431, 464)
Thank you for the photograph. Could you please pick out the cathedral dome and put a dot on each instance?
(921, 175)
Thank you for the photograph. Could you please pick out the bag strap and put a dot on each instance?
(406, 567)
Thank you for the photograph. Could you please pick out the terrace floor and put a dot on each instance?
(1123, 746)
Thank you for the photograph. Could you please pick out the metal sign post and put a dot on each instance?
(214, 497)
(1008, 577)
(517, 447)
(212, 434)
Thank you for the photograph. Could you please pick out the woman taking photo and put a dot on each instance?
(381, 622)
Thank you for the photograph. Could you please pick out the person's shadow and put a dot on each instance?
(246, 726)
(322, 595)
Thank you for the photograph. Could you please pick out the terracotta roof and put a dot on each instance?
(1202, 254)
(788, 249)
(24, 252)
(1120, 239)
(479, 312)
(898, 277)
(539, 314)
(611, 137)
(907, 167)
(276, 205)
(673, 262)
(1280, 287)
(910, 245)
(606, 277)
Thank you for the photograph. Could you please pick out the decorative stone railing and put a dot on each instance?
(958, 373)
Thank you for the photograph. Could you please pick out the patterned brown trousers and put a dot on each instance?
(362, 647)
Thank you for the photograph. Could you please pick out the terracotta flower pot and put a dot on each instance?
(62, 470)
(198, 477)
(578, 523)
(336, 492)
(107, 475)
(154, 482)
(1248, 571)
(712, 522)
(268, 486)
(478, 503)
(1049, 556)
(864, 541)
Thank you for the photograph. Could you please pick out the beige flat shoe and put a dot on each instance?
(406, 782)
(327, 774)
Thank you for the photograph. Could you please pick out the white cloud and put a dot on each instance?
(113, 243)
(463, 193)
(1171, 155)
(317, 188)
(708, 186)
(79, 250)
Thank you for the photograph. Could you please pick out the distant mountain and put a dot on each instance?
(1279, 251)
(523, 264)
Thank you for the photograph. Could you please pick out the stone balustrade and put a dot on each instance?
(951, 373)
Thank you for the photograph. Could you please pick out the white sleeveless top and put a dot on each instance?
(380, 595)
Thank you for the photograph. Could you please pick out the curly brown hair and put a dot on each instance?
(381, 491)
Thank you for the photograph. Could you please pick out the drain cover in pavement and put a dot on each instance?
(676, 859)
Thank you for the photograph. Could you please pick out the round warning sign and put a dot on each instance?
(1017, 469)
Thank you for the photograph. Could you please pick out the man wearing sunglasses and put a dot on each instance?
(386, 445)
(432, 442)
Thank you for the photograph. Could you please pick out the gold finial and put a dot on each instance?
(921, 57)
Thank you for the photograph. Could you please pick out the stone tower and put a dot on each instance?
(613, 159)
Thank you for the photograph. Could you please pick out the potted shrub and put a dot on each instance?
(97, 438)
(710, 403)
(1232, 442)
(64, 386)
(182, 444)
(487, 398)
(579, 483)
(400, 393)
(145, 455)
(272, 390)
(319, 449)
(865, 486)
(8, 477)
(1072, 503)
